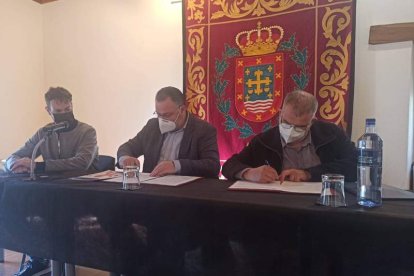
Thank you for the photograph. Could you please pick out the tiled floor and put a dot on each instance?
(12, 262)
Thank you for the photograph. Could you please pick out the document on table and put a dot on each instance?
(390, 192)
(99, 176)
(286, 186)
(171, 180)
(168, 180)
(142, 177)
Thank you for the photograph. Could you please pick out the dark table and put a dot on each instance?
(96, 224)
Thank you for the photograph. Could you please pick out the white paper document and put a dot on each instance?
(99, 176)
(168, 180)
(390, 192)
(286, 186)
(142, 177)
(171, 180)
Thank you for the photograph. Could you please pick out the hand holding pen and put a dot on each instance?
(281, 179)
(262, 174)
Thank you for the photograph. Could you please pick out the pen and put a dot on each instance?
(267, 164)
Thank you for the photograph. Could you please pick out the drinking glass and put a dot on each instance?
(332, 193)
(130, 180)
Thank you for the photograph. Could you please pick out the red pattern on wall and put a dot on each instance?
(243, 57)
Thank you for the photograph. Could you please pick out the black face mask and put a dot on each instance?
(68, 117)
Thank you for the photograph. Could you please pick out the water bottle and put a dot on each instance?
(369, 167)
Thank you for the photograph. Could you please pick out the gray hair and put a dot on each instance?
(302, 102)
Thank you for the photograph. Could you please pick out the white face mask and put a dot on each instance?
(290, 133)
(167, 125)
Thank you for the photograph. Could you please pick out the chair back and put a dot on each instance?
(105, 162)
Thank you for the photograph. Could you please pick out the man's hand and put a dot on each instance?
(128, 161)
(22, 165)
(262, 174)
(163, 168)
(294, 175)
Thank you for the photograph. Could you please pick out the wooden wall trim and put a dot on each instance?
(44, 1)
(390, 33)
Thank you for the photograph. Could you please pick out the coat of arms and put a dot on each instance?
(242, 57)
(259, 73)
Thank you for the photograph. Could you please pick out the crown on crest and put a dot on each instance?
(259, 41)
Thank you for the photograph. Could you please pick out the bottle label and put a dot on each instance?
(369, 157)
(365, 144)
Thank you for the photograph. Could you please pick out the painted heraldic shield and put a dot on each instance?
(259, 86)
(259, 74)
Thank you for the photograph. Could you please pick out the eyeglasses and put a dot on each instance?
(296, 128)
(165, 115)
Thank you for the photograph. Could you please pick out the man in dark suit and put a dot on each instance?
(174, 143)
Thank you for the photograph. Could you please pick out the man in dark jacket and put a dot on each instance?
(174, 143)
(300, 148)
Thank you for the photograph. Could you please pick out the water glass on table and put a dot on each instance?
(130, 179)
(332, 193)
